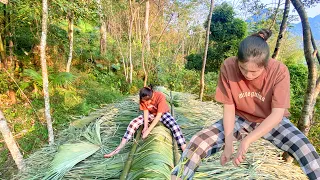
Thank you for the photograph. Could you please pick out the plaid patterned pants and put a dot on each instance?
(284, 136)
(166, 119)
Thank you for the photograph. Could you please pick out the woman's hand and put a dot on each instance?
(242, 150)
(226, 154)
(145, 133)
(145, 128)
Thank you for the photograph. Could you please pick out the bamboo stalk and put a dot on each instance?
(127, 166)
(176, 154)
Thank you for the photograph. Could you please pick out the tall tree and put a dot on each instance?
(145, 42)
(131, 18)
(275, 15)
(146, 25)
(3, 60)
(70, 36)
(43, 44)
(103, 30)
(9, 33)
(2, 53)
(11, 143)
(283, 28)
(206, 50)
(304, 123)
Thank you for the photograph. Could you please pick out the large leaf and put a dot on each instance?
(68, 156)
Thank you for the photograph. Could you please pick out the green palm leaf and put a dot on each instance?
(68, 156)
(61, 79)
(34, 76)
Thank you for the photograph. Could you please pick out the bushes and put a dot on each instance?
(187, 81)
(298, 85)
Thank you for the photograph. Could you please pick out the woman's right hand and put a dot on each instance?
(226, 154)
(145, 128)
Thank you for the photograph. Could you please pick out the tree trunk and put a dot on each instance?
(12, 62)
(145, 79)
(122, 57)
(283, 27)
(146, 26)
(103, 30)
(11, 143)
(205, 51)
(70, 35)
(183, 46)
(3, 54)
(139, 26)
(306, 115)
(8, 33)
(136, 22)
(317, 54)
(275, 15)
(145, 42)
(315, 47)
(130, 43)
(43, 44)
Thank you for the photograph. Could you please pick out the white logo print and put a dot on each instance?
(252, 94)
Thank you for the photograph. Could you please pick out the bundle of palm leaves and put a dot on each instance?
(78, 153)
(154, 157)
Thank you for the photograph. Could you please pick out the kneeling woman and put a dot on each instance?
(155, 109)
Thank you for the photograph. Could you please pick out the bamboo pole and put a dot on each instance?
(127, 166)
(176, 154)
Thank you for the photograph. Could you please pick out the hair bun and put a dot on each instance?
(265, 34)
(150, 86)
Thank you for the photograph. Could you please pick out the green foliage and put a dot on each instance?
(35, 77)
(226, 34)
(3, 83)
(187, 81)
(57, 33)
(298, 85)
(62, 79)
(25, 39)
(86, 40)
(194, 61)
(224, 26)
(35, 138)
(315, 128)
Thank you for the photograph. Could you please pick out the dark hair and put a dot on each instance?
(146, 93)
(255, 48)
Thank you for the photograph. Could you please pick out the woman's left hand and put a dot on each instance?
(145, 134)
(242, 150)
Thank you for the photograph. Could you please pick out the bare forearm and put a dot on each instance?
(267, 125)
(228, 123)
(145, 118)
(155, 121)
